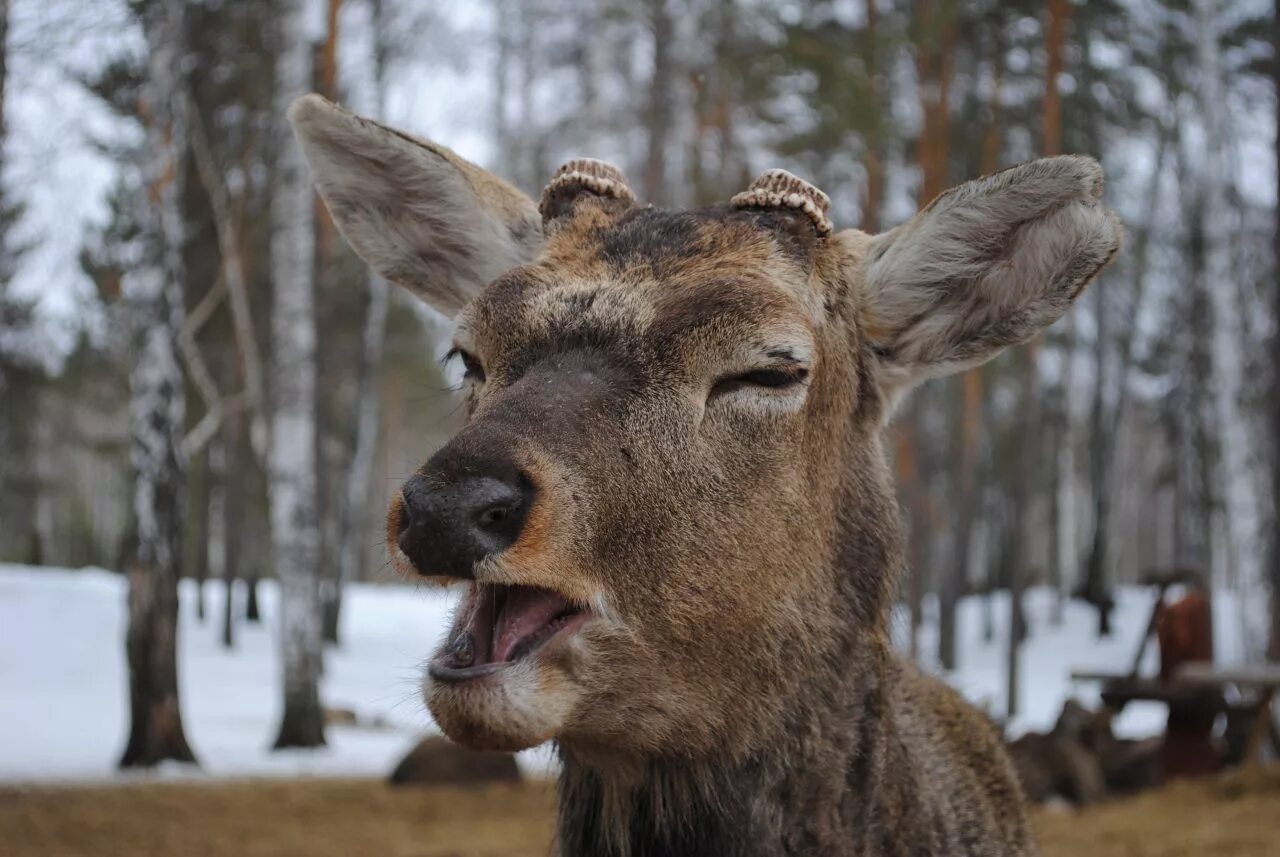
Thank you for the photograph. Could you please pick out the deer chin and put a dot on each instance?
(503, 679)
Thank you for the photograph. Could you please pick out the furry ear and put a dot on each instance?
(986, 265)
(414, 211)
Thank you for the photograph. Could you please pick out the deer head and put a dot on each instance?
(670, 507)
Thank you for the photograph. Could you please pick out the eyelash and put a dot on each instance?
(471, 368)
(773, 378)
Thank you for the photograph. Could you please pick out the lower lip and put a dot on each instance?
(440, 671)
(452, 675)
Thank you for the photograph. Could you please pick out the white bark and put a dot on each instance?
(156, 400)
(1239, 522)
(156, 410)
(291, 455)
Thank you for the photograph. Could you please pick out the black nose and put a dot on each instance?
(450, 524)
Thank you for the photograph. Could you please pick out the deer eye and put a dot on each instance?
(770, 378)
(471, 368)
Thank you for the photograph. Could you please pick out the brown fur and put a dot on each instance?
(735, 692)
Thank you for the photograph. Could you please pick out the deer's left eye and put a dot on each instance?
(472, 370)
(771, 378)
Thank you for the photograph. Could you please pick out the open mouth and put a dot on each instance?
(502, 625)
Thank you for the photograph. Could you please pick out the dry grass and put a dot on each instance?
(317, 818)
(1237, 816)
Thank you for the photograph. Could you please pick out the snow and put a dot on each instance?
(63, 686)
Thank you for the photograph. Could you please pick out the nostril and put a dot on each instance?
(497, 516)
(498, 509)
(493, 516)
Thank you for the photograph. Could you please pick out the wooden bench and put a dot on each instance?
(1257, 684)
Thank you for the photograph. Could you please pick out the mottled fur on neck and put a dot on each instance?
(826, 782)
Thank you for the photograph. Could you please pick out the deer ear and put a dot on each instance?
(986, 265)
(417, 213)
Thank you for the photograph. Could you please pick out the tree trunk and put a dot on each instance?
(252, 613)
(918, 534)
(1055, 39)
(661, 94)
(502, 141)
(969, 417)
(875, 132)
(157, 416)
(935, 21)
(1199, 456)
(1096, 589)
(1238, 506)
(328, 87)
(4, 76)
(214, 546)
(1275, 376)
(1023, 557)
(368, 400)
(732, 171)
(1057, 414)
(196, 535)
(232, 516)
(292, 457)
(331, 466)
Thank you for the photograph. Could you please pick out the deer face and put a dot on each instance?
(669, 507)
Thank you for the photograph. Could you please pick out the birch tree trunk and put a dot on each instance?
(157, 415)
(1238, 507)
(292, 453)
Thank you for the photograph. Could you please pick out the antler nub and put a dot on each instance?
(577, 176)
(781, 189)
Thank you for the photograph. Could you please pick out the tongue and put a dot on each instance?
(525, 612)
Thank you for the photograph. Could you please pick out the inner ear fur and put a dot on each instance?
(986, 265)
(417, 213)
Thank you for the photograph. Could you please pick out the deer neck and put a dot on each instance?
(812, 788)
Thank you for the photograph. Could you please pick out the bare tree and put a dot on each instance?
(157, 412)
(368, 405)
(1236, 519)
(292, 453)
(4, 74)
(661, 118)
(1275, 381)
(1028, 445)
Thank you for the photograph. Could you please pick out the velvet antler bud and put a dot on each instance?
(781, 189)
(579, 176)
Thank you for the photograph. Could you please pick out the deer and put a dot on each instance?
(670, 511)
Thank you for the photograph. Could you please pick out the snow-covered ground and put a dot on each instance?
(63, 687)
